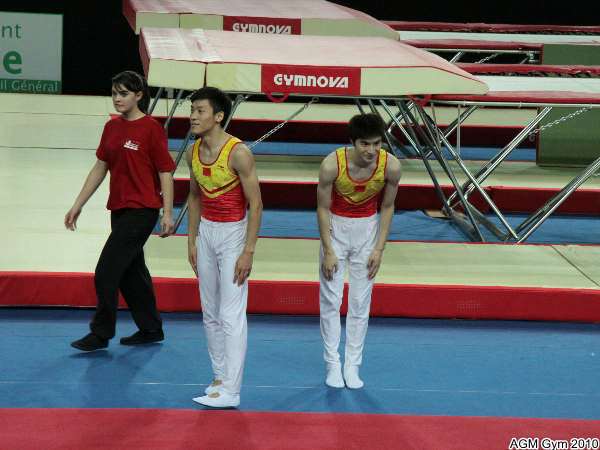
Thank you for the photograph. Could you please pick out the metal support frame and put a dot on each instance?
(155, 100)
(460, 197)
(528, 56)
(421, 140)
(431, 135)
(427, 140)
(533, 222)
(176, 103)
(443, 140)
(484, 172)
(451, 128)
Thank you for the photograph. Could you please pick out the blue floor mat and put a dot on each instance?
(310, 149)
(433, 367)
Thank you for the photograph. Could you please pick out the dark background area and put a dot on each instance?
(99, 43)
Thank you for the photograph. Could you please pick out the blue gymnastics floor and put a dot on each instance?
(417, 226)
(315, 149)
(423, 367)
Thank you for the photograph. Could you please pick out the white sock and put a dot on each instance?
(351, 377)
(334, 376)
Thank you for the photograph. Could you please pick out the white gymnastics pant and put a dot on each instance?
(219, 244)
(353, 240)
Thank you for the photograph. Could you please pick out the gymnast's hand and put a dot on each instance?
(71, 218)
(374, 263)
(329, 265)
(243, 267)
(193, 257)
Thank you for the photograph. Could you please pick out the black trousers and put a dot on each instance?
(122, 267)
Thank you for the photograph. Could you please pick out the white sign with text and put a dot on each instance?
(31, 52)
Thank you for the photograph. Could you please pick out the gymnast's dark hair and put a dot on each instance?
(134, 82)
(366, 126)
(219, 101)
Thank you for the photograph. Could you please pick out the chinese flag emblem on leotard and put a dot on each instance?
(359, 188)
(206, 171)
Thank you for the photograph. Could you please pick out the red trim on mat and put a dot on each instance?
(164, 429)
(529, 69)
(525, 97)
(510, 199)
(333, 132)
(302, 297)
(466, 44)
(492, 27)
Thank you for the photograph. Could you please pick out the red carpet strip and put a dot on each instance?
(154, 429)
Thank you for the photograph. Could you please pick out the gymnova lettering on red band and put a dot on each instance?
(262, 25)
(261, 28)
(310, 80)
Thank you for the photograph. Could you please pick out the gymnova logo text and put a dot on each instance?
(322, 81)
(281, 78)
(264, 25)
(262, 28)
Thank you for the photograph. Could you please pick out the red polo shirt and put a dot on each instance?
(135, 152)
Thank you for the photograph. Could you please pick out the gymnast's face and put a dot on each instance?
(202, 117)
(367, 149)
(124, 100)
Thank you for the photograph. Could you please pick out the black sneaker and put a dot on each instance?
(90, 342)
(143, 337)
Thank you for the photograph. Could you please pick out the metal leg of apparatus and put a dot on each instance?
(458, 120)
(491, 165)
(173, 108)
(455, 125)
(396, 121)
(181, 215)
(414, 140)
(392, 123)
(526, 59)
(451, 127)
(386, 135)
(435, 146)
(427, 148)
(471, 231)
(359, 106)
(182, 148)
(549, 204)
(155, 100)
(537, 218)
(477, 186)
(456, 57)
(238, 100)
